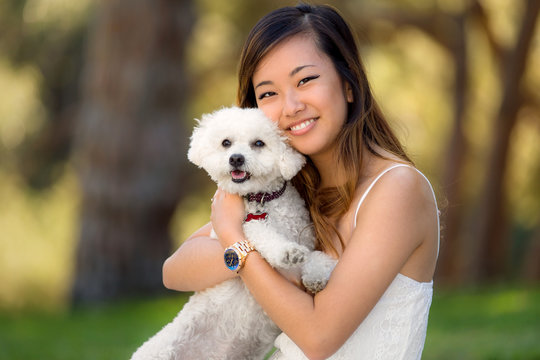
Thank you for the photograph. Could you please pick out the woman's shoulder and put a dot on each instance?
(405, 182)
(397, 185)
(392, 174)
(405, 173)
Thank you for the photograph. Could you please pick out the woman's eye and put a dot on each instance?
(258, 143)
(266, 94)
(226, 143)
(307, 79)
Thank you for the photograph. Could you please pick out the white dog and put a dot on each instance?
(245, 153)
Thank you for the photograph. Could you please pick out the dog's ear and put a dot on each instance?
(196, 146)
(291, 161)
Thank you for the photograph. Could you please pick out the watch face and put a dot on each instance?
(231, 259)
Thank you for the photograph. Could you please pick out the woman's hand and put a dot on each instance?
(227, 216)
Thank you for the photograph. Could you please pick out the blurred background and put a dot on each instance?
(97, 103)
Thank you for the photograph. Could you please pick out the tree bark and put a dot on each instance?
(450, 267)
(531, 263)
(130, 146)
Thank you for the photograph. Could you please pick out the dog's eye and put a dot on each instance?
(226, 143)
(258, 143)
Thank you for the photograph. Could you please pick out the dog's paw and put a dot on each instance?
(317, 270)
(294, 255)
(314, 285)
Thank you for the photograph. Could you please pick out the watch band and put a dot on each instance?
(244, 246)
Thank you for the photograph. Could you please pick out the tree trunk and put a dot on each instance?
(531, 263)
(129, 147)
(492, 232)
(449, 269)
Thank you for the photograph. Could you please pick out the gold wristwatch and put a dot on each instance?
(235, 255)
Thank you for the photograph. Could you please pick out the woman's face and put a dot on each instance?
(297, 86)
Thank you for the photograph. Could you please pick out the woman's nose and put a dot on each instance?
(292, 104)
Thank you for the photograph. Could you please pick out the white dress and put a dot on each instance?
(395, 328)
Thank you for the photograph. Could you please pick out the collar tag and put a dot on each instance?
(261, 216)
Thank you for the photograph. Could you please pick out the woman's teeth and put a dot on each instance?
(302, 125)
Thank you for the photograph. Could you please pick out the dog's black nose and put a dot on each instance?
(236, 160)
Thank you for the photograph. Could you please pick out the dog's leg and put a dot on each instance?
(160, 346)
(316, 271)
(279, 251)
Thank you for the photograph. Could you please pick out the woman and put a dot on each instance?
(372, 210)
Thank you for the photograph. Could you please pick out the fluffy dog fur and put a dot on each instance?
(225, 322)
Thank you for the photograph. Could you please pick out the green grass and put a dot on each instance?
(107, 332)
(492, 323)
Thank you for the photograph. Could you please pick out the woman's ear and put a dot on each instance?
(349, 93)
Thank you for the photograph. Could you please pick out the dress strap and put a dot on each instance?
(432, 192)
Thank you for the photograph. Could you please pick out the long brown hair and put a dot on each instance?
(365, 124)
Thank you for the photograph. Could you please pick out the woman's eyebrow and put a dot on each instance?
(295, 71)
(266, 82)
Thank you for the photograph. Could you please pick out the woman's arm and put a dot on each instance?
(393, 223)
(197, 264)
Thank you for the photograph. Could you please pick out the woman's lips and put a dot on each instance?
(302, 127)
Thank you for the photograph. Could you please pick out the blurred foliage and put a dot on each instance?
(399, 73)
(36, 242)
(41, 51)
(41, 44)
(215, 47)
(41, 54)
(21, 110)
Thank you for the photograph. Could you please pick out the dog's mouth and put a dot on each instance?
(239, 176)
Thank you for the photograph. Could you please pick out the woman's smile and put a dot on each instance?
(302, 127)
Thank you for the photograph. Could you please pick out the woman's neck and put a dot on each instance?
(329, 170)
(332, 173)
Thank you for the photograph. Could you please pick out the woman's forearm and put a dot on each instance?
(297, 316)
(196, 265)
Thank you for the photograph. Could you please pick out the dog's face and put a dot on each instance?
(243, 151)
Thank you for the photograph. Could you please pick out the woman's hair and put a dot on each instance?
(365, 124)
